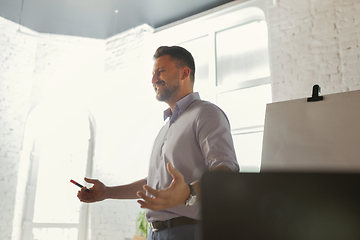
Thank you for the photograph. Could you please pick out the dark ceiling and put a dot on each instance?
(98, 18)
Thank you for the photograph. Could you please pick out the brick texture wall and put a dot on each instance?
(313, 42)
(17, 62)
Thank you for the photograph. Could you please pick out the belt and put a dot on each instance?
(159, 225)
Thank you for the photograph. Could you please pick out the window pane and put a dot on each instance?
(63, 156)
(248, 149)
(245, 107)
(242, 53)
(199, 48)
(55, 233)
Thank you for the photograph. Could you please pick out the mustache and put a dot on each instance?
(158, 83)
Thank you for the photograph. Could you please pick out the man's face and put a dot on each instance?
(166, 78)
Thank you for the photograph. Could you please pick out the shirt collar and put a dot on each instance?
(181, 105)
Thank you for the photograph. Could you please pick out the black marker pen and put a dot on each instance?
(79, 185)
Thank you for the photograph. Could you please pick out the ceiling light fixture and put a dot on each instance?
(115, 20)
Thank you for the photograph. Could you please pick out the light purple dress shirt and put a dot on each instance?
(196, 138)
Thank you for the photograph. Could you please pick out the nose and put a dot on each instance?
(154, 78)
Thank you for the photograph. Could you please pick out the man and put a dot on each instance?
(196, 138)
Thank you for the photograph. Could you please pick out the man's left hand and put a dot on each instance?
(174, 195)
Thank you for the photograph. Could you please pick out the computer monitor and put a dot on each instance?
(280, 206)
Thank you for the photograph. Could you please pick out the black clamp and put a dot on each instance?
(315, 94)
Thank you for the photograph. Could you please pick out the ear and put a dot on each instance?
(185, 73)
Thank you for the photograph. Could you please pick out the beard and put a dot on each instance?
(167, 90)
(164, 95)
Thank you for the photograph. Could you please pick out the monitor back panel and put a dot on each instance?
(280, 206)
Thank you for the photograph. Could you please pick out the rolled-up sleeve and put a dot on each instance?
(214, 136)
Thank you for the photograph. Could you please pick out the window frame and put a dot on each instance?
(31, 150)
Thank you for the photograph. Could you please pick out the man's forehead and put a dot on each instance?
(162, 62)
(157, 67)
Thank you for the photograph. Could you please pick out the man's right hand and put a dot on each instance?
(97, 192)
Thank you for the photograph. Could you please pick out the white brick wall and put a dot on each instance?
(17, 55)
(313, 42)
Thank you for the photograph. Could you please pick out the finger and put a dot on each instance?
(83, 190)
(145, 205)
(152, 191)
(82, 197)
(146, 198)
(174, 173)
(158, 203)
(89, 180)
(141, 194)
(148, 205)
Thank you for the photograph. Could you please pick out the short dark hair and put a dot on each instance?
(182, 55)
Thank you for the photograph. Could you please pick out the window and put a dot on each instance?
(230, 48)
(242, 53)
(61, 139)
(244, 87)
(245, 108)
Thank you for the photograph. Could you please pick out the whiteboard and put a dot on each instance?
(313, 136)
